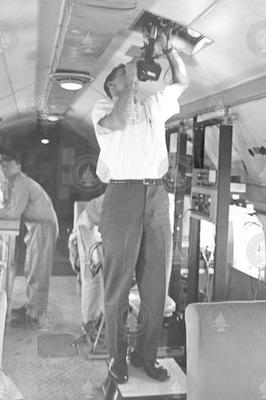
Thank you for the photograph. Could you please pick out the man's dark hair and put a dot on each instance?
(111, 77)
(10, 155)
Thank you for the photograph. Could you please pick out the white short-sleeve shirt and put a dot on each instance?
(138, 151)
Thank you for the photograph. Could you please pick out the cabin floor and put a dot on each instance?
(52, 369)
(41, 361)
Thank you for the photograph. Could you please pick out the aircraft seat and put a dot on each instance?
(226, 344)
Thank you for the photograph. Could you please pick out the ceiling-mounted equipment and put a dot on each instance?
(184, 38)
(70, 80)
(148, 69)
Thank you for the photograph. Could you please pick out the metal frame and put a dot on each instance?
(222, 215)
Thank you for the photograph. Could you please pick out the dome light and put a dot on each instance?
(193, 33)
(53, 118)
(71, 80)
(70, 84)
(45, 141)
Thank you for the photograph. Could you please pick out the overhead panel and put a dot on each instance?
(240, 34)
(90, 27)
(184, 12)
(185, 39)
(90, 30)
(48, 29)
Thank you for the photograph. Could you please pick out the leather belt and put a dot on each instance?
(155, 182)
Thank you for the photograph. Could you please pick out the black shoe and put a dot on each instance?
(19, 310)
(156, 371)
(135, 359)
(152, 368)
(118, 371)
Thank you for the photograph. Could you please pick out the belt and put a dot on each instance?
(155, 182)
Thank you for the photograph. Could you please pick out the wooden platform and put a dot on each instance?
(141, 385)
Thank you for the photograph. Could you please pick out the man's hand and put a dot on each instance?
(178, 69)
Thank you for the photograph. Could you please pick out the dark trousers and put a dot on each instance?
(136, 236)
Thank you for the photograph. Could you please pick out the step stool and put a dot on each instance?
(140, 385)
(134, 302)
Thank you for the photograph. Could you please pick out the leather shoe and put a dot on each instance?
(156, 371)
(135, 359)
(118, 371)
(152, 368)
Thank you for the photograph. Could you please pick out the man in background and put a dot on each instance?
(88, 245)
(31, 204)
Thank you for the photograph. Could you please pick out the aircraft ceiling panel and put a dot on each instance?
(181, 11)
(237, 32)
(95, 36)
(8, 107)
(89, 31)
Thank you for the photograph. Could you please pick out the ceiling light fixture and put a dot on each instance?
(71, 80)
(54, 117)
(70, 84)
(45, 141)
(193, 33)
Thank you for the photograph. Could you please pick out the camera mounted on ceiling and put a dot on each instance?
(148, 69)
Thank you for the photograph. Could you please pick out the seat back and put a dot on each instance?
(3, 310)
(226, 356)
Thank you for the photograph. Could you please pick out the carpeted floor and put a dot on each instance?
(65, 375)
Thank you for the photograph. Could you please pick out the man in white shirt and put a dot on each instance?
(30, 203)
(135, 223)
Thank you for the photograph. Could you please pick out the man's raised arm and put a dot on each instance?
(123, 89)
(178, 69)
